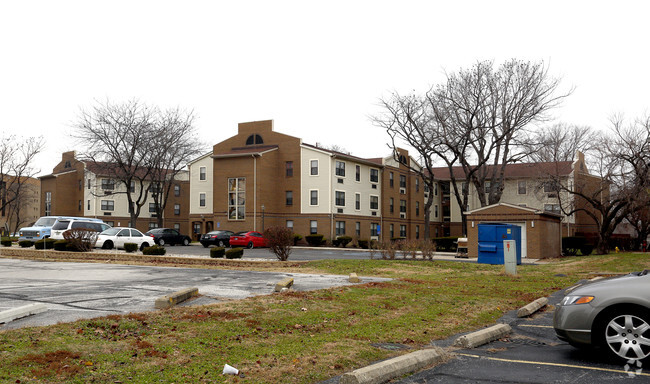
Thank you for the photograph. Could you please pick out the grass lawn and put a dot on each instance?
(296, 337)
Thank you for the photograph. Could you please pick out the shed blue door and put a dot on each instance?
(490, 241)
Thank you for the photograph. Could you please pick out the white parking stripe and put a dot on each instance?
(553, 364)
(536, 326)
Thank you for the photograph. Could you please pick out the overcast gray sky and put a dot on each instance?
(316, 68)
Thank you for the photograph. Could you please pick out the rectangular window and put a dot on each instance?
(402, 231)
(402, 206)
(80, 205)
(357, 201)
(391, 179)
(402, 181)
(391, 229)
(177, 226)
(374, 229)
(289, 197)
(374, 175)
(417, 208)
(108, 205)
(48, 203)
(340, 228)
(81, 184)
(374, 202)
(340, 199)
(202, 173)
(435, 189)
(357, 228)
(391, 205)
(196, 228)
(435, 211)
(417, 185)
(153, 225)
(177, 209)
(313, 197)
(88, 183)
(313, 167)
(288, 168)
(290, 224)
(152, 207)
(201, 199)
(358, 173)
(417, 231)
(340, 168)
(108, 184)
(88, 205)
(551, 186)
(313, 227)
(132, 187)
(553, 208)
(236, 198)
(177, 190)
(521, 187)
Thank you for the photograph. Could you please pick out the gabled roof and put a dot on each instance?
(512, 171)
(342, 155)
(526, 209)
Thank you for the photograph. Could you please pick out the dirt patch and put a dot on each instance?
(59, 363)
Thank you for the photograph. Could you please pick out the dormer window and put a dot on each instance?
(67, 164)
(254, 140)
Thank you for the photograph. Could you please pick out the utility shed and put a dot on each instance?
(540, 231)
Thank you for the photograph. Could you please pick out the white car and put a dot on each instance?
(63, 225)
(116, 237)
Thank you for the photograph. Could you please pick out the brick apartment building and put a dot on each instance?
(24, 209)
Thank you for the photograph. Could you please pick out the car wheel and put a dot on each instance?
(625, 334)
(143, 246)
(221, 244)
(250, 245)
(161, 242)
(186, 242)
(107, 245)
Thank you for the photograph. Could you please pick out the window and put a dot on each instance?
(402, 206)
(417, 185)
(550, 186)
(313, 164)
(237, 198)
(108, 205)
(340, 228)
(313, 197)
(290, 224)
(357, 228)
(177, 190)
(88, 205)
(88, 183)
(289, 197)
(435, 189)
(201, 199)
(80, 205)
(374, 202)
(177, 226)
(152, 207)
(288, 166)
(391, 179)
(358, 173)
(132, 187)
(108, 184)
(391, 230)
(391, 203)
(435, 211)
(254, 140)
(111, 223)
(417, 208)
(340, 199)
(177, 209)
(196, 228)
(402, 231)
(340, 169)
(553, 208)
(313, 227)
(81, 184)
(357, 201)
(374, 229)
(374, 175)
(153, 225)
(417, 231)
(202, 174)
(402, 181)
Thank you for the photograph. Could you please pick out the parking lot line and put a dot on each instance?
(552, 364)
(535, 326)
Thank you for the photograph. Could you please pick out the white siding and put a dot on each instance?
(201, 186)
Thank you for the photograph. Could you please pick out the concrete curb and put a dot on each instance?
(354, 278)
(484, 336)
(284, 283)
(24, 311)
(395, 367)
(533, 307)
(171, 300)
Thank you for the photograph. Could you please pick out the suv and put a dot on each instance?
(42, 228)
(63, 225)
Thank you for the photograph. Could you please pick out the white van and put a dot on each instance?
(63, 225)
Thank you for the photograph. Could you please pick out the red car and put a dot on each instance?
(248, 239)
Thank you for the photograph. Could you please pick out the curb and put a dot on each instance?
(171, 300)
(395, 367)
(484, 336)
(24, 311)
(284, 283)
(533, 307)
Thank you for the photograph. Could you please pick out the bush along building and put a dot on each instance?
(261, 178)
(80, 188)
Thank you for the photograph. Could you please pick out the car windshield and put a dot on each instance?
(45, 222)
(61, 225)
(110, 232)
(241, 233)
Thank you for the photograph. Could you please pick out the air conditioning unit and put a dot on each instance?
(340, 181)
(402, 191)
(374, 186)
(402, 215)
(552, 195)
(108, 192)
(375, 238)
(339, 210)
(107, 213)
(154, 215)
(374, 213)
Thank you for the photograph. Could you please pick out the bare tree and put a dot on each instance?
(174, 144)
(561, 142)
(16, 212)
(333, 147)
(16, 169)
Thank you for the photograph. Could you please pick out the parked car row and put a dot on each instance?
(222, 238)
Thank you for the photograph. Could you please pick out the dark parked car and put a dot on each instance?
(218, 238)
(613, 314)
(248, 239)
(162, 236)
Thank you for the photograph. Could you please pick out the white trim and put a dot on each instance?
(317, 198)
(317, 167)
(342, 191)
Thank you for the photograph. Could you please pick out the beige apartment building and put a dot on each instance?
(22, 210)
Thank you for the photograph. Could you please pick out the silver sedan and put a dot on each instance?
(611, 313)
